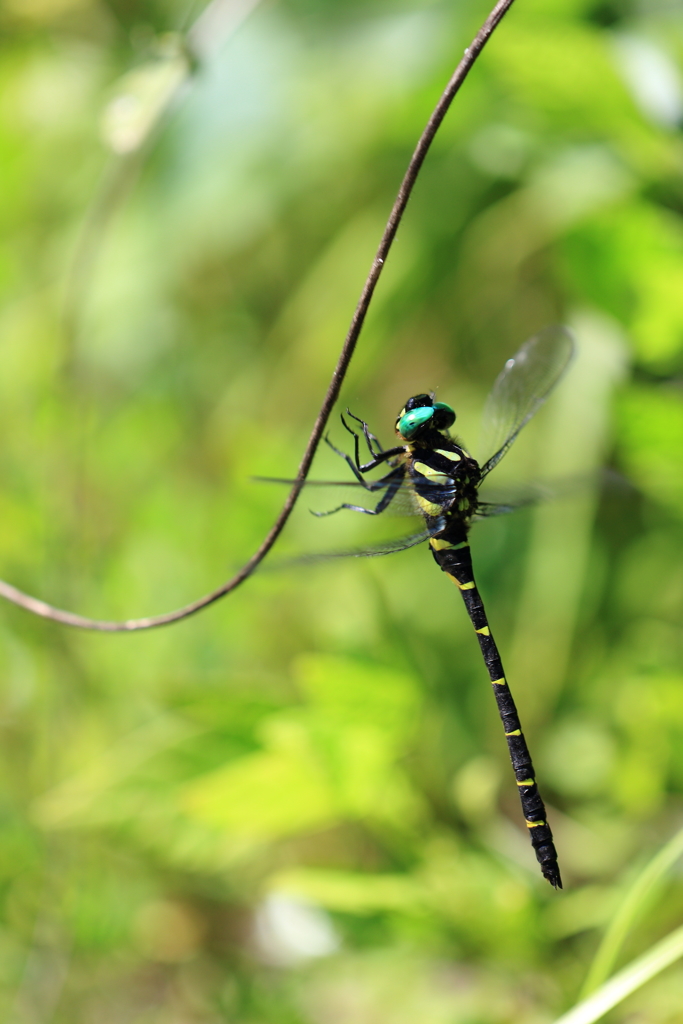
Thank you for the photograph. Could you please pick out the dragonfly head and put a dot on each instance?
(422, 411)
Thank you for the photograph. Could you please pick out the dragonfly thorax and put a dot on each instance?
(444, 476)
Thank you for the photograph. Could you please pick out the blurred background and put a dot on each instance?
(297, 806)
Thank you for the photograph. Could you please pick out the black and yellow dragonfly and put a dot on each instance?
(432, 475)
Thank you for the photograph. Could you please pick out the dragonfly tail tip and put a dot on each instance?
(553, 876)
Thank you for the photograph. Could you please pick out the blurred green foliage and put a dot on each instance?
(296, 807)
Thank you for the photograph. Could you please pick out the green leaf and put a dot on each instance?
(662, 955)
(635, 902)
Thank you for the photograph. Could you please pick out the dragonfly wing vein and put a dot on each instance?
(521, 389)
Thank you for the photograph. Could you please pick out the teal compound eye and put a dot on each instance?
(444, 416)
(409, 424)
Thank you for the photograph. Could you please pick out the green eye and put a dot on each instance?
(444, 416)
(410, 423)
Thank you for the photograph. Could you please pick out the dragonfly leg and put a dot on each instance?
(354, 435)
(356, 467)
(382, 455)
(392, 487)
(392, 481)
(351, 508)
(369, 436)
(386, 456)
(353, 466)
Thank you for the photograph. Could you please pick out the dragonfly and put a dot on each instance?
(431, 474)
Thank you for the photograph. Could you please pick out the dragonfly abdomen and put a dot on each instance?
(452, 554)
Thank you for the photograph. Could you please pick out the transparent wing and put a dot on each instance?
(496, 501)
(521, 389)
(389, 547)
(329, 494)
(502, 502)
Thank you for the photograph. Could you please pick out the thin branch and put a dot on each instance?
(48, 611)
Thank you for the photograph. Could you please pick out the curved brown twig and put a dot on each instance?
(47, 611)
